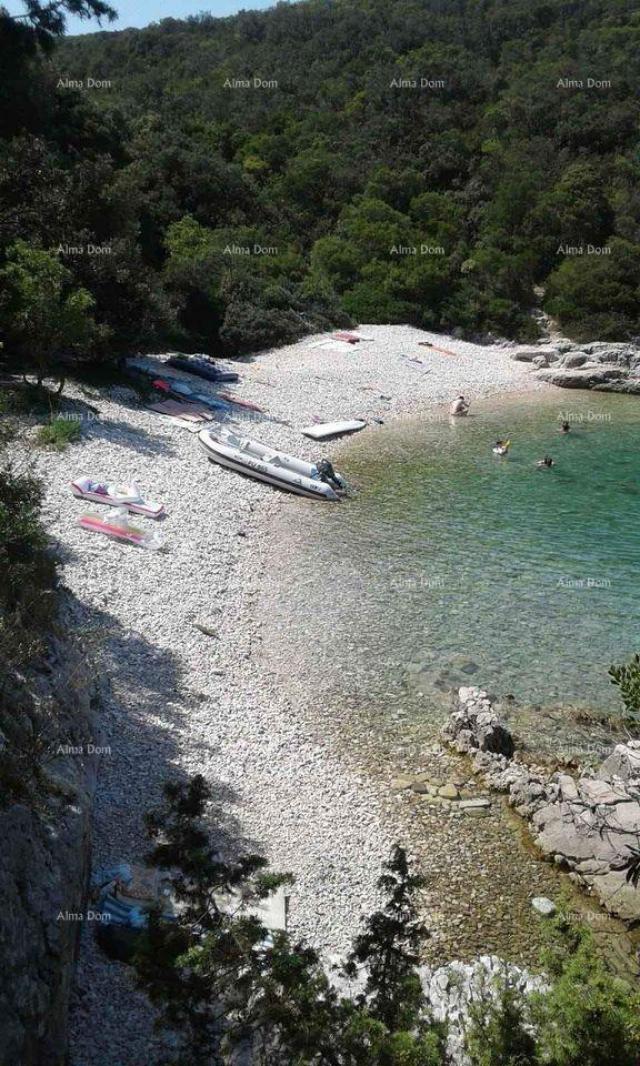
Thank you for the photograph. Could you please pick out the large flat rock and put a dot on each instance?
(584, 377)
(616, 896)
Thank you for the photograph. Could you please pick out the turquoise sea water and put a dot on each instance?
(452, 566)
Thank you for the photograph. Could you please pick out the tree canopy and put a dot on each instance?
(438, 162)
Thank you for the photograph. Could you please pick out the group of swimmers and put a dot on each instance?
(460, 407)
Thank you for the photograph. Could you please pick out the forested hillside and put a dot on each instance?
(447, 163)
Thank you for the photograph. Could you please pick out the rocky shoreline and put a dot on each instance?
(588, 824)
(598, 365)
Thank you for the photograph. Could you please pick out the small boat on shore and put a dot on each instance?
(250, 457)
(324, 430)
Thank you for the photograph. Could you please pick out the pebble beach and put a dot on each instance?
(175, 636)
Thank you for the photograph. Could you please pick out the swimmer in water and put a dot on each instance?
(501, 447)
(565, 427)
(546, 462)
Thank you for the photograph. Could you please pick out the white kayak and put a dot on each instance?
(129, 496)
(333, 429)
(267, 464)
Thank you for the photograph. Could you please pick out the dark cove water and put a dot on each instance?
(452, 566)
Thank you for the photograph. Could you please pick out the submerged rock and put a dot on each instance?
(449, 791)
(400, 783)
(545, 907)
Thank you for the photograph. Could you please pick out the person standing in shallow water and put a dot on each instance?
(459, 407)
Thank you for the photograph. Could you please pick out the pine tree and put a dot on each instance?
(389, 949)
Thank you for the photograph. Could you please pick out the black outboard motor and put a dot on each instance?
(327, 474)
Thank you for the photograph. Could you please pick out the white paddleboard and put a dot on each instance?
(332, 429)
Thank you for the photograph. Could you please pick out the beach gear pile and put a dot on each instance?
(116, 521)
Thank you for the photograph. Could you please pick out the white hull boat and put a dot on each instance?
(323, 430)
(267, 464)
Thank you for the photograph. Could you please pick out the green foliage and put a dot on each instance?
(627, 678)
(498, 165)
(58, 433)
(25, 398)
(389, 949)
(42, 22)
(230, 287)
(588, 1017)
(226, 983)
(597, 295)
(27, 569)
(44, 317)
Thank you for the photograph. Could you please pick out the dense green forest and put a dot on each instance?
(227, 184)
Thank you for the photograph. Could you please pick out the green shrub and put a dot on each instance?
(26, 399)
(44, 316)
(589, 1017)
(594, 296)
(627, 678)
(370, 301)
(586, 1017)
(58, 433)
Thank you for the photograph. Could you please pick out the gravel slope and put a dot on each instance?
(180, 701)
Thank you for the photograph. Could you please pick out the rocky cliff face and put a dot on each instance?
(44, 869)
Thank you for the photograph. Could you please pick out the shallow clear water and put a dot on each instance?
(452, 566)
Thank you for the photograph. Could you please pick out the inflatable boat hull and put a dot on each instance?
(266, 464)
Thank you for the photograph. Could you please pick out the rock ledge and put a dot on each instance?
(588, 825)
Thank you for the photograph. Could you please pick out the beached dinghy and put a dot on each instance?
(323, 430)
(129, 496)
(267, 464)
